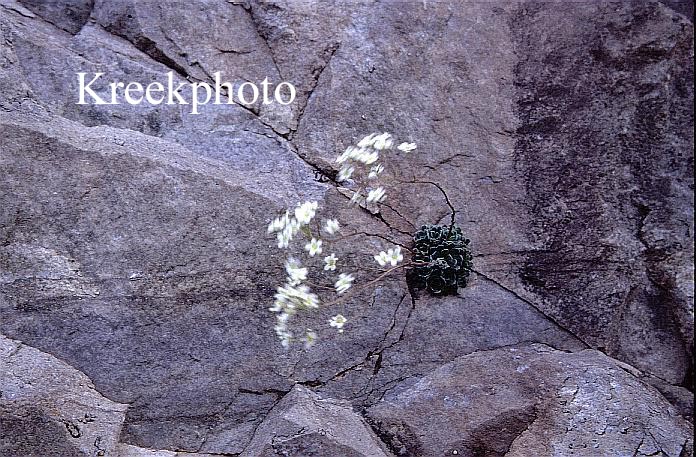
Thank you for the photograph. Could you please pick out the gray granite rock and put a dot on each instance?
(531, 400)
(210, 36)
(425, 332)
(158, 316)
(128, 450)
(229, 133)
(48, 408)
(134, 319)
(68, 15)
(304, 424)
(606, 132)
(132, 238)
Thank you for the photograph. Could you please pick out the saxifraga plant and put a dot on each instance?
(442, 259)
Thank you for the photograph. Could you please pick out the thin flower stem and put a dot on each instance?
(368, 284)
(319, 286)
(371, 234)
(412, 264)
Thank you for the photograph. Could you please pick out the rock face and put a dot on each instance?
(530, 400)
(49, 408)
(135, 267)
(304, 424)
(606, 133)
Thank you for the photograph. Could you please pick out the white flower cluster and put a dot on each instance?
(295, 295)
(358, 162)
(367, 154)
(287, 226)
(289, 299)
(392, 257)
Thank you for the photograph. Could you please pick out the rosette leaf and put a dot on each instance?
(443, 259)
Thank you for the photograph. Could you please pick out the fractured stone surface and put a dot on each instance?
(49, 408)
(558, 136)
(531, 400)
(304, 424)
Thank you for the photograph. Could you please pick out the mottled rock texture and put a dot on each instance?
(558, 135)
(48, 407)
(530, 400)
(303, 423)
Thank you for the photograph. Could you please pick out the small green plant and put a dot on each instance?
(441, 258)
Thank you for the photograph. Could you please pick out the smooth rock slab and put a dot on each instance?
(68, 15)
(229, 133)
(531, 400)
(304, 424)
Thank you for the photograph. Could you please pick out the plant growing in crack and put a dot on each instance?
(441, 260)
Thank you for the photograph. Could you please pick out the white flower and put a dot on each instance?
(305, 212)
(376, 195)
(279, 223)
(367, 157)
(368, 141)
(283, 239)
(283, 320)
(290, 298)
(313, 247)
(406, 147)
(330, 262)
(282, 331)
(338, 321)
(382, 258)
(275, 225)
(290, 229)
(345, 173)
(356, 197)
(370, 158)
(345, 156)
(344, 282)
(310, 300)
(296, 274)
(310, 338)
(285, 339)
(332, 226)
(383, 141)
(375, 170)
(292, 226)
(348, 154)
(394, 256)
